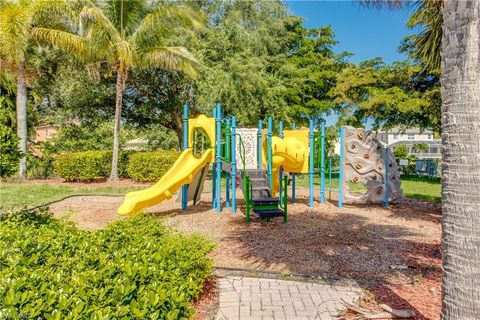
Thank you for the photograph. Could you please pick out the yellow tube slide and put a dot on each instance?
(181, 173)
(290, 153)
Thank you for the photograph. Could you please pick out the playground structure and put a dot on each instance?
(266, 165)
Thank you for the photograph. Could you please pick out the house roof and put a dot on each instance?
(402, 130)
(412, 142)
(47, 126)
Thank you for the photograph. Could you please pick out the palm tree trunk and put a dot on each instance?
(121, 78)
(22, 119)
(461, 160)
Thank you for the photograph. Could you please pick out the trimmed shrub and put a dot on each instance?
(150, 166)
(88, 165)
(134, 269)
(83, 166)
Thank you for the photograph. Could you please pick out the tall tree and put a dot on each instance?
(245, 57)
(129, 34)
(317, 69)
(19, 21)
(391, 95)
(461, 160)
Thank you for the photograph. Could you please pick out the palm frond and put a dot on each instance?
(164, 21)
(176, 58)
(125, 15)
(427, 44)
(94, 24)
(72, 43)
(15, 21)
(46, 12)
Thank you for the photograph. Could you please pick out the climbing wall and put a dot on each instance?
(364, 162)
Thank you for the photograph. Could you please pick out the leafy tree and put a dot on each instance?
(423, 49)
(20, 20)
(129, 35)
(244, 52)
(317, 68)
(84, 137)
(248, 58)
(155, 98)
(390, 95)
(400, 152)
(420, 147)
(159, 138)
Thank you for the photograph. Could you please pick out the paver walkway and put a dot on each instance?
(254, 298)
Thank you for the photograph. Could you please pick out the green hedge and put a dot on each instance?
(150, 166)
(88, 165)
(134, 269)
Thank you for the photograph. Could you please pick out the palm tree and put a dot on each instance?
(129, 34)
(461, 160)
(460, 78)
(18, 20)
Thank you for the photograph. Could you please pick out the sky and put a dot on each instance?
(366, 32)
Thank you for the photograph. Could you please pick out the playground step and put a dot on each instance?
(255, 173)
(268, 213)
(267, 201)
(259, 188)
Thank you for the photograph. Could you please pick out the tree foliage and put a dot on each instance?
(389, 95)
(254, 57)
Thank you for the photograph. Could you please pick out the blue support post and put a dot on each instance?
(294, 127)
(322, 161)
(234, 164)
(340, 173)
(185, 146)
(227, 176)
(280, 170)
(385, 155)
(259, 144)
(310, 162)
(214, 173)
(218, 158)
(269, 153)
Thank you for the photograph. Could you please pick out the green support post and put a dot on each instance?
(285, 199)
(247, 199)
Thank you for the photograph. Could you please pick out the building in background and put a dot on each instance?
(411, 136)
(45, 132)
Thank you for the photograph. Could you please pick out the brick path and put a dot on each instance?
(254, 298)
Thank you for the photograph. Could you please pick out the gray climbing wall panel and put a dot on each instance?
(364, 162)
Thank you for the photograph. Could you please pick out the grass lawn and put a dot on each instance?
(22, 195)
(422, 188)
(413, 187)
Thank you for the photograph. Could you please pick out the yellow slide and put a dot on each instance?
(290, 152)
(181, 173)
